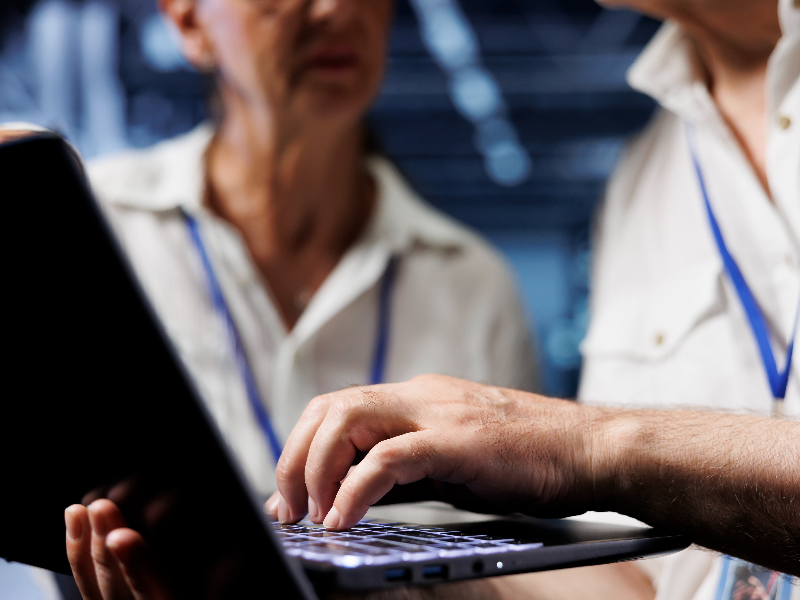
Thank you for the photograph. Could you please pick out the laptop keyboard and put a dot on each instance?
(373, 542)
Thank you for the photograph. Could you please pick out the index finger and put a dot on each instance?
(105, 517)
(323, 444)
(292, 502)
(357, 421)
(79, 553)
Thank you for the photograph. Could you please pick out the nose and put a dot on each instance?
(332, 12)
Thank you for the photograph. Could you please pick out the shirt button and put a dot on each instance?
(659, 339)
(785, 122)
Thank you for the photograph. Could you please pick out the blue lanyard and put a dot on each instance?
(218, 300)
(378, 370)
(253, 396)
(778, 381)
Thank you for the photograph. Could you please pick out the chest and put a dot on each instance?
(668, 327)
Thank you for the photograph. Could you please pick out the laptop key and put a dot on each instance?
(402, 539)
(329, 547)
(481, 544)
(425, 535)
(374, 543)
(371, 551)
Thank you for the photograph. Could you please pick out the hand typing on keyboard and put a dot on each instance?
(490, 445)
(514, 451)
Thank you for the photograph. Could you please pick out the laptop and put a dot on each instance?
(98, 404)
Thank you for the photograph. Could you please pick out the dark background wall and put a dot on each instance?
(507, 114)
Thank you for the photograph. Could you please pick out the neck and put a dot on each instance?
(299, 196)
(734, 46)
(298, 184)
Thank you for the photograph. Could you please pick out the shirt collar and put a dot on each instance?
(669, 70)
(402, 219)
(789, 12)
(167, 176)
(171, 175)
(784, 68)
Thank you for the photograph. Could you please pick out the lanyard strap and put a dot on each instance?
(218, 300)
(778, 381)
(377, 371)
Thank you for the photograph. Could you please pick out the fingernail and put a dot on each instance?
(313, 511)
(283, 512)
(271, 507)
(99, 525)
(74, 527)
(332, 520)
(112, 543)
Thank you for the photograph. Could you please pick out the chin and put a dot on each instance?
(335, 103)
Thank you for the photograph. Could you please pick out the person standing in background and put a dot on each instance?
(285, 257)
(699, 229)
(696, 283)
(704, 201)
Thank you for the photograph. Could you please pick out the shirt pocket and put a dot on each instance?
(652, 323)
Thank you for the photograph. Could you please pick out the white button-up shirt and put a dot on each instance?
(454, 308)
(668, 328)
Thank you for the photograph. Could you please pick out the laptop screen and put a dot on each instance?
(97, 404)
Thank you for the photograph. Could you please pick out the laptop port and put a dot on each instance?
(397, 574)
(434, 572)
(477, 567)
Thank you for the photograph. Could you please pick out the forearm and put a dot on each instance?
(732, 481)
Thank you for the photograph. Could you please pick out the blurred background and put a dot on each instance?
(507, 114)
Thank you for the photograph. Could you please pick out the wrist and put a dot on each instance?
(615, 439)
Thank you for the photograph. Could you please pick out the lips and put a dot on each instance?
(333, 59)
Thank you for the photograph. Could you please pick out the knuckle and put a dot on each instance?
(371, 399)
(387, 453)
(426, 377)
(348, 493)
(319, 403)
(345, 406)
(103, 561)
(283, 473)
(315, 475)
(288, 468)
(75, 557)
(422, 451)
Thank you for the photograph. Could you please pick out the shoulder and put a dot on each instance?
(643, 157)
(458, 290)
(143, 177)
(413, 223)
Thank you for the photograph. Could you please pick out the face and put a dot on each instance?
(749, 27)
(697, 10)
(303, 59)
